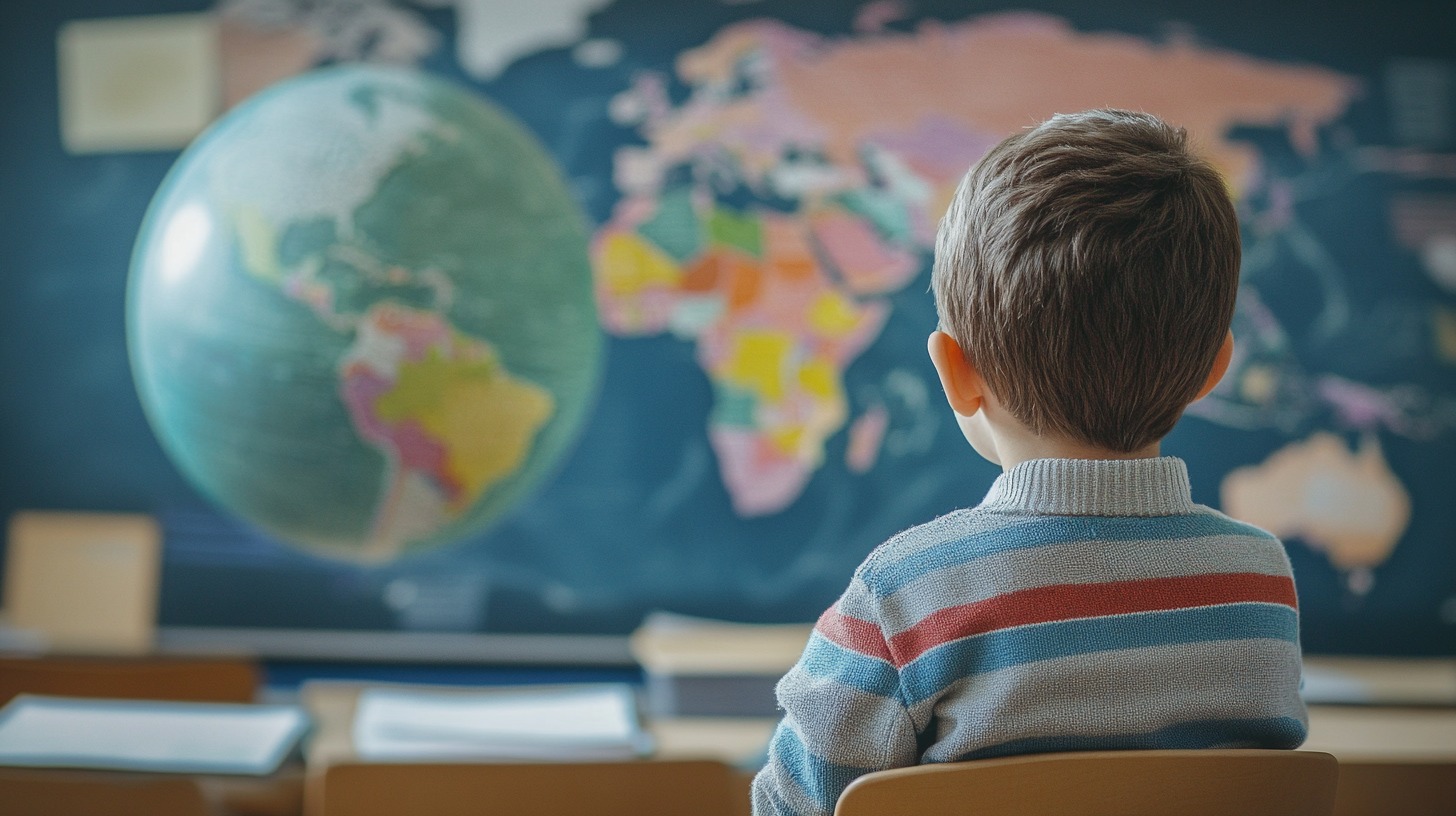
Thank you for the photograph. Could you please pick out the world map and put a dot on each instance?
(861, 144)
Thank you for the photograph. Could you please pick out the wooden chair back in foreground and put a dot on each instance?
(668, 788)
(48, 793)
(1410, 788)
(203, 680)
(1240, 782)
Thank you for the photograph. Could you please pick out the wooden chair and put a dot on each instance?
(47, 793)
(661, 788)
(1105, 783)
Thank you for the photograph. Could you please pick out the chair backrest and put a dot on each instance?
(1244, 782)
(47, 793)
(690, 788)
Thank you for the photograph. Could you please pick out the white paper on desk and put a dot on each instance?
(1379, 681)
(589, 722)
(134, 735)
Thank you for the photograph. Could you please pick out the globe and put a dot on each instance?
(360, 313)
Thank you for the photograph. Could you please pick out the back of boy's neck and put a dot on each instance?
(1024, 450)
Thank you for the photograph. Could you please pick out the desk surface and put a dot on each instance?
(735, 740)
(1383, 734)
(1367, 739)
(1351, 733)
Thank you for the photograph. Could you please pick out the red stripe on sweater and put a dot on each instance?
(854, 634)
(1071, 601)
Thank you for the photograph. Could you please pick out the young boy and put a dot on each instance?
(1085, 276)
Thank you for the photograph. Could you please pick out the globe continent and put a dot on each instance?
(360, 312)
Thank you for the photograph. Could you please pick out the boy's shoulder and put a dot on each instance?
(965, 532)
(966, 535)
(1208, 521)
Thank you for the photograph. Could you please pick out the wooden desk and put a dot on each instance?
(735, 740)
(1383, 733)
(732, 741)
(1412, 750)
(1354, 734)
(212, 680)
(1392, 760)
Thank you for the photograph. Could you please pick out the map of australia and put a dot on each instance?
(768, 217)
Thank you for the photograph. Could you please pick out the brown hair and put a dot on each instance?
(1088, 268)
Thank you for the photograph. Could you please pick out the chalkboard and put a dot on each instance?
(741, 145)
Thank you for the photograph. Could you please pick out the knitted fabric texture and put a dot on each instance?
(1083, 605)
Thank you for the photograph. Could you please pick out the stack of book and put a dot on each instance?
(697, 667)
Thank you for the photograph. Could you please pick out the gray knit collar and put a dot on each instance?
(1093, 487)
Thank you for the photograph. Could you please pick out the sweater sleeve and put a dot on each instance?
(844, 714)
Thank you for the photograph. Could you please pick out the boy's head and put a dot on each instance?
(1087, 270)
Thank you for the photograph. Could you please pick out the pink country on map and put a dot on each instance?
(451, 421)
(849, 150)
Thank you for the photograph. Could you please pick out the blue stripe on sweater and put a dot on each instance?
(1040, 531)
(821, 780)
(1269, 732)
(826, 659)
(932, 671)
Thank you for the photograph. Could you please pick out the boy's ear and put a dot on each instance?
(1220, 366)
(961, 381)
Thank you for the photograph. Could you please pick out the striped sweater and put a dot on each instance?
(1083, 605)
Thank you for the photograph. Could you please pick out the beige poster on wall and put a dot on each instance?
(84, 582)
(137, 83)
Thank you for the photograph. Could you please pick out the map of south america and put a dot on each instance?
(449, 419)
(452, 421)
